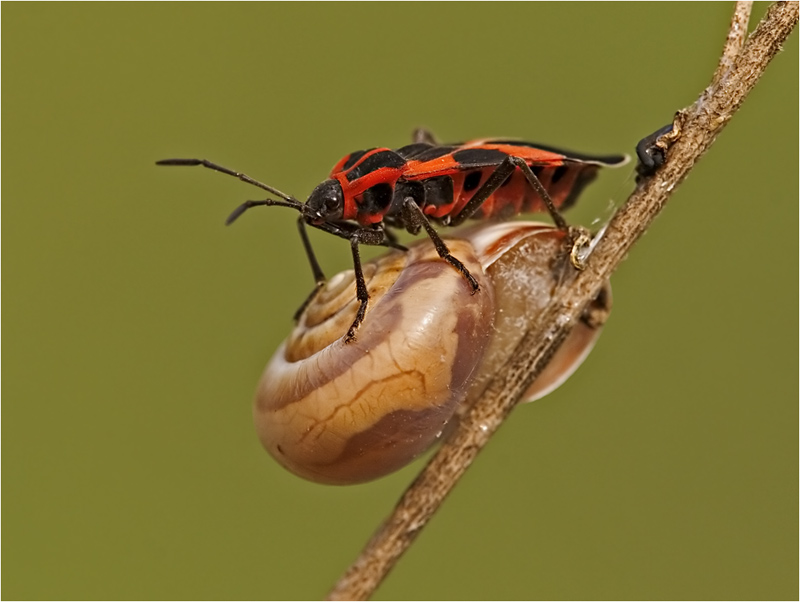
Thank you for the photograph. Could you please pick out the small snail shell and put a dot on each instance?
(347, 413)
(525, 262)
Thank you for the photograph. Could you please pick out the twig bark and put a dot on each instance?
(743, 61)
(737, 34)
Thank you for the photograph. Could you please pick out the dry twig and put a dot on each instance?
(743, 61)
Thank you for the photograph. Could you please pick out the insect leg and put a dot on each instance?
(496, 180)
(377, 237)
(319, 276)
(492, 183)
(559, 221)
(415, 218)
(392, 242)
(367, 237)
(577, 238)
(350, 232)
(362, 294)
(293, 202)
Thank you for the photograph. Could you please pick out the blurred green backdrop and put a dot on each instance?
(136, 325)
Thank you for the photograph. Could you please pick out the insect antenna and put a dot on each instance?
(293, 204)
(288, 201)
(236, 174)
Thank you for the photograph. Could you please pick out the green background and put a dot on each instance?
(136, 325)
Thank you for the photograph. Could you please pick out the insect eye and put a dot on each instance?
(326, 201)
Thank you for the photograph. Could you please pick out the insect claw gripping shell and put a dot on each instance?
(369, 192)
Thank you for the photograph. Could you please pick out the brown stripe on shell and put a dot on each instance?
(391, 443)
(384, 315)
(413, 353)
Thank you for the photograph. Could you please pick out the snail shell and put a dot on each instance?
(343, 413)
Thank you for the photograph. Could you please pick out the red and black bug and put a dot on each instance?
(370, 192)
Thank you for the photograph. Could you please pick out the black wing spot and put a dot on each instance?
(376, 199)
(584, 177)
(438, 190)
(537, 170)
(472, 181)
(374, 162)
(353, 159)
(479, 157)
(559, 173)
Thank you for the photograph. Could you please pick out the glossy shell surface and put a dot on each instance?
(338, 412)
(526, 263)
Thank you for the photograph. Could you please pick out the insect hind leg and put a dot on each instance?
(558, 219)
(501, 173)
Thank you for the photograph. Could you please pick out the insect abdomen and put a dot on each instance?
(563, 183)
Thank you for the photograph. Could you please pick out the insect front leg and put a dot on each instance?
(355, 235)
(392, 242)
(319, 276)
(365, 237)
(414, 219)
